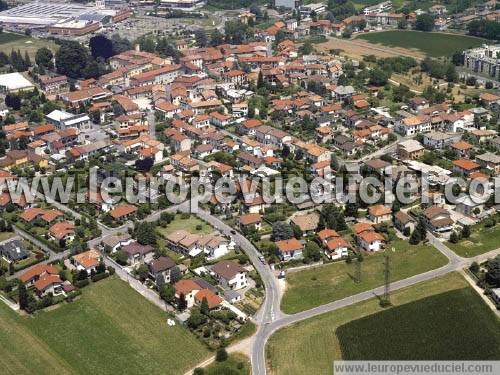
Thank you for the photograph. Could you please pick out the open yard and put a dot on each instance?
(431, 44)
(111, 329)
(316, 286)
(480, 241)
(315, 344)
(236, 364)
(10, 41)
(192, 225)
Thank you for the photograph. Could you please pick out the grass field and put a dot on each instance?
(480, 241)
(432, 44)
(111, 329)
(314, 342)
(10, 41)
(186, 224)
(236, 364)
(316, 286)
(432, 328)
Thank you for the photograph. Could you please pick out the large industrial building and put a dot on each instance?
(62, 18)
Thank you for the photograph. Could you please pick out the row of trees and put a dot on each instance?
(16, 60)
(484, 29)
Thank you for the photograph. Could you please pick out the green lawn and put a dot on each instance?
(10, 41)
(111, 329)
(315, 345)
(432, 328)
(186, 224)
(316, 286)
(480, 241)
(432, 44)
(6, 235)
(236, 364)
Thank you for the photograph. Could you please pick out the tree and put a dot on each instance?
(23, 296)
(101, 46)
(378, 77)
(402, 24)
(306, 49)
(146, 233)
(493, 274)
(71, 59)
(201, 38)
(167, 293)
(175, 274)
(44, 57)
(142, 272)
(466, 231)
(196, 319)
(120, 44)
(182, 303)
(121, 257)
(204, 309)
(474, 267)
(281, 231)
(415, 237)
(216, 38)
(312, 252)
(454, 237)
(451, 73)
(425, 22)
(221, 355)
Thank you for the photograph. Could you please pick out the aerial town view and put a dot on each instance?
(236, 187)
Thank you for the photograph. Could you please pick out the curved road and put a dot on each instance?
(455, 263)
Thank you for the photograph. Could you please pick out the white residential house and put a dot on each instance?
(230, 274)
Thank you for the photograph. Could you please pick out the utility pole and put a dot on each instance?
(386, 301)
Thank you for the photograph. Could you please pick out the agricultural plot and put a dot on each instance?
(315, 342)
(431, 44)
(432, 328)
(316, 286)
(110, 329)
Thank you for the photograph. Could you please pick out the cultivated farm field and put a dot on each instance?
(315, 343)
(432, 328)
(431, 44)
(316, 286)
(111, 329)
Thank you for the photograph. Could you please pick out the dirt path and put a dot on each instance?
(358, 48)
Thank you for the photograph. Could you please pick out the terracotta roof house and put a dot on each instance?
(62, 231)
(465, 167)
(123, 211)
(336, 248)
(379, 213)
(188, 288)
(35, 272)
(88, 260)
(247, 220)
(290, 249)
(370, 240)
(213, 300)
(48, 283)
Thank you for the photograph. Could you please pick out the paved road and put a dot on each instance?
(455, 263)
(152, 124)
(53, 256)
